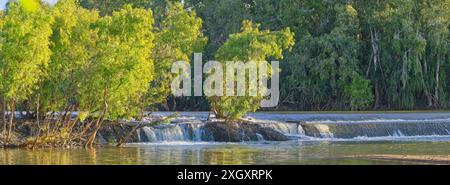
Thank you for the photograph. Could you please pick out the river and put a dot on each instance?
(409, 138)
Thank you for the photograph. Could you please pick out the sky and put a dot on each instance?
(3, 3)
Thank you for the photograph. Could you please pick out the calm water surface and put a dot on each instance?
(292, 152)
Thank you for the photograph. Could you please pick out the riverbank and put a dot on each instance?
(196, 127)
(179, 129)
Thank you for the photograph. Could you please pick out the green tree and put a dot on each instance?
(360, 92)
(178, 36)
(326, 56)
(250, 44)
(25, 52)
(401, 37)
(434, 23)
(120, 72)
(73, 45)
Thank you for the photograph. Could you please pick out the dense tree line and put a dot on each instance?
(348, 55)
(383, 54)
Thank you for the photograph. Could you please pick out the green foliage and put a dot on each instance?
(25, 51)
(179, 35)
(326, 54)
(401, 46)
(73, 45)
(360, 93)
(107, 7)
(119, 74)
(250, 44)
(408, 68)
(30, 5)
(221, 18)
(392, 54)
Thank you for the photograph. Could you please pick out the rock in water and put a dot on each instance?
(237, 132)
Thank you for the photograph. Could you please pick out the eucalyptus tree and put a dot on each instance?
(251, 44)
(402, 37)
(25, 52)
(324, 66)
(118, 76)
(434, 20)
(399, 51)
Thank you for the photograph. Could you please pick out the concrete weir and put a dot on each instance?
(353, 130)
(265, 130)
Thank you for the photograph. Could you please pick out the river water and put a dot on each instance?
(422, 138)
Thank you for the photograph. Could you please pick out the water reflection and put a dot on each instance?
(321, 152)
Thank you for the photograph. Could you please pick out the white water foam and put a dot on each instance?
(178, 135)
(177, 143)
(380, 121)
(381, 138)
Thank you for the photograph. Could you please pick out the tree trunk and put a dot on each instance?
(11, 122)
(427, 93)
(37, 113)
(3, 118)
(91, 139)
(124, 139)
(436, 87)
(174, 106)
(98, 124)
(425, 87)
(38, 132)
(429, 98)
(141, 117)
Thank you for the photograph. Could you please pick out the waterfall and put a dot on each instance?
(286, 128)
(174, 132)
(354, 129)
(149, 135)
(196, 131)
(395, 129)
(260, 137)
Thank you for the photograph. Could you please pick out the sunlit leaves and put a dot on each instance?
(30, 5)
(251, 44)
(119, 74)
(25, 51)
(73, 45)
(177, 38)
